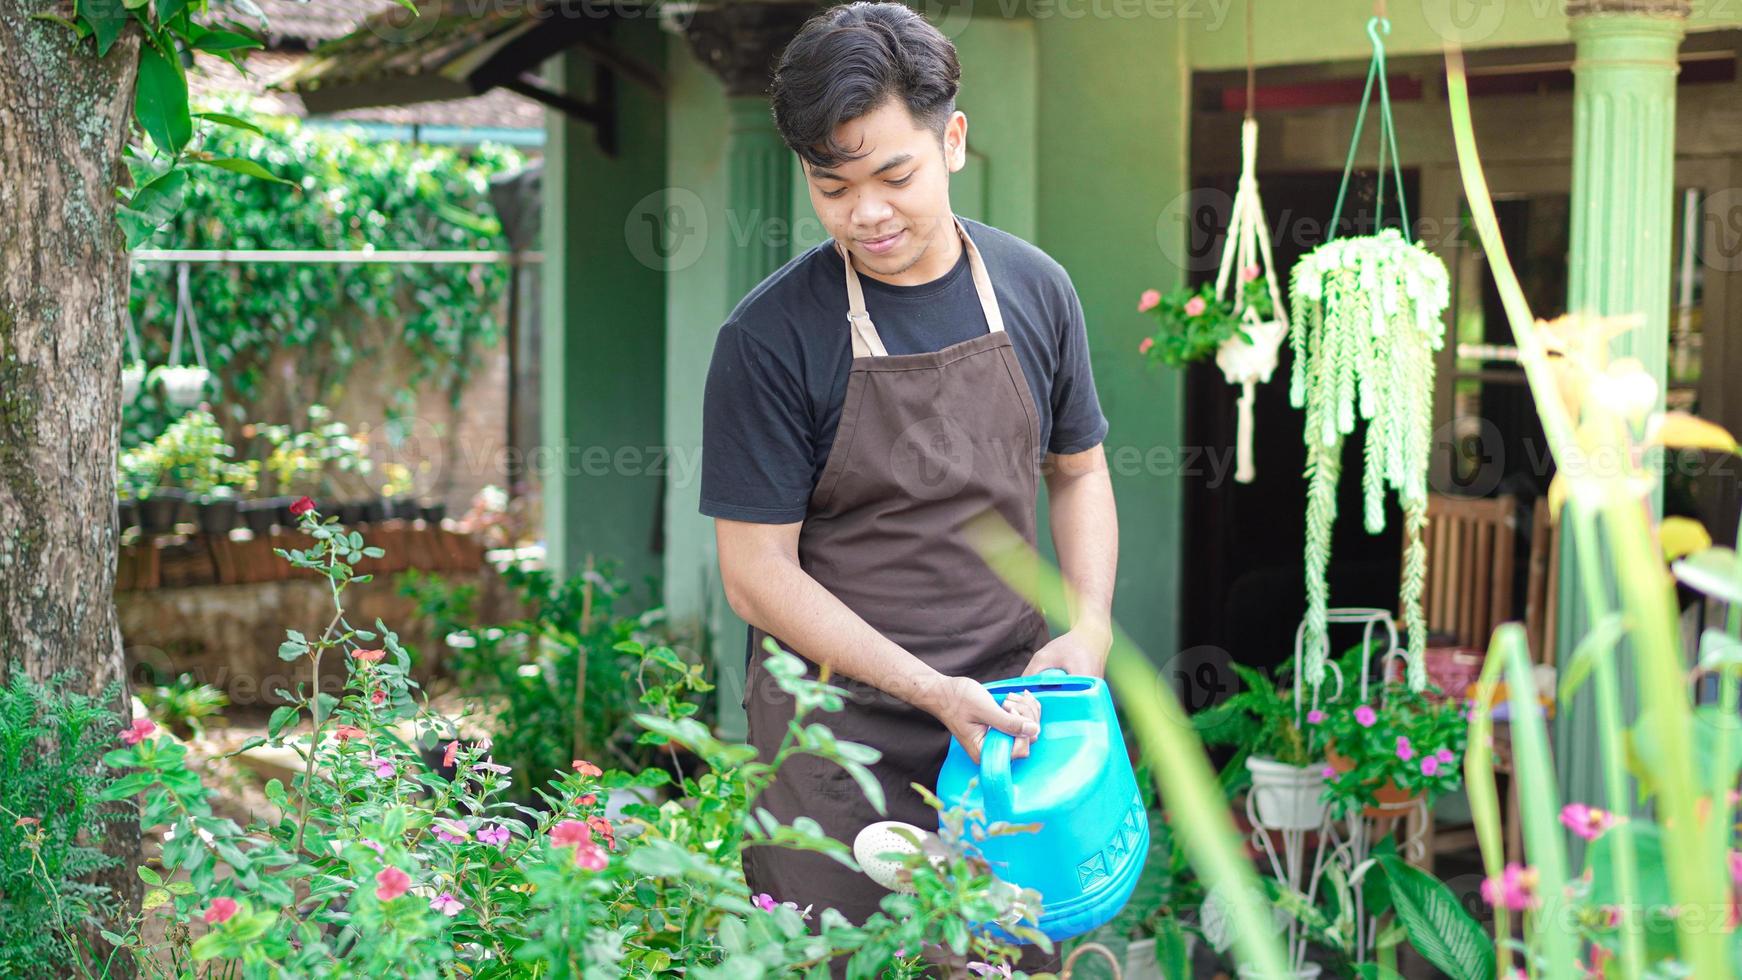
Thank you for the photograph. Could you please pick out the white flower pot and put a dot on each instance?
(1307, 971)
(132, 377)
(183, 387)
(1140, 961)
(1287, 797)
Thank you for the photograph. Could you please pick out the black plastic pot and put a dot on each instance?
(259, 515)
(375, 510)
(285, 517)
(219, 515)
(160, 512)
(351, 512)
(126, 515)
(433, 513)
(401, 509)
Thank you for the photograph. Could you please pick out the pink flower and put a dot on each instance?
(377, 696)
(1365, 716)
(586, 768)
(1446, 756)
(1515, 888)
(1195, 306)
(1588, 822)
(571, 833)
(139, 731)
(489, 765)
(452, 831)
(1328, 772)
(1150, 299)
(453, 750)
(446, 904)
(375, 846)
(589, 856)
(344, 732)
(495, 835)
(368, 656)
(384, 768)
(586, 799)
(765, 902)
(988, 970)
(220, 911)
(302, 506)
(1405, 751)
(1430, 765)
(1315, 717)
(1736, 868)
(1249, 273)
(1145, 344)
(391, 883)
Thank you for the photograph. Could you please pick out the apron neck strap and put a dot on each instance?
(866, 342)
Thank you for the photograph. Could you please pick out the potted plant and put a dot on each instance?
(1280, 746)
(183, 385)
(1194, 324)
(1391, 746)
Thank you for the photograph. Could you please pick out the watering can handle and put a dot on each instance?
(996, 789)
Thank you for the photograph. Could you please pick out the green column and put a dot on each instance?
(740, 43)
(1624, 91)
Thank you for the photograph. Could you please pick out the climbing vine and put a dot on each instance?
(1365, 327)
(343, 192)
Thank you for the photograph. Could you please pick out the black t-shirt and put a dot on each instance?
(781, 362)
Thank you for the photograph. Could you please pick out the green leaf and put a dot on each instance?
(107, 18)
(161, 100)
(282, 716)
(234, 122)
(1716, 571)
(1599, 642)
(149, 876)
(168, 10)
(247, 168)
(1439, 928)
(152, 206)
(220, 41)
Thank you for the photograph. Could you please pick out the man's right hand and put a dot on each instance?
(967, 709)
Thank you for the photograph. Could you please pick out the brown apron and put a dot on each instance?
(925, 442)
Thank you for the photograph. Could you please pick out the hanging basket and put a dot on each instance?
(183, 387)
(1365, 328)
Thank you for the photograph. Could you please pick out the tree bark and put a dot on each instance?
(64, 119)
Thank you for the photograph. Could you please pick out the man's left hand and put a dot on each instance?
(1081, 651)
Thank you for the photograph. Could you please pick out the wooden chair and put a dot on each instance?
(1468, 594)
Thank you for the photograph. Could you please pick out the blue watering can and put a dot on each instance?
(1077, 784)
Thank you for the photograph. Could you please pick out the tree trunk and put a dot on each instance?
(64, 118)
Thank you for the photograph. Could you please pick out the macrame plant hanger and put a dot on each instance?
(183, 386)
(1365, 327)
(133, 372)
(1248, 361)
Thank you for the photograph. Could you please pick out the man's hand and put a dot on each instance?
(1083, 650)
(967, 709)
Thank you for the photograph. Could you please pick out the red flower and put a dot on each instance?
(139, 731)
(586, 768)
(603, 828)
(571, 833)
(452, 751)
(391, 883)
(348, 731)
(221, 910)
(586, 799)
(372, 656)
(377, 697)
(302, 506)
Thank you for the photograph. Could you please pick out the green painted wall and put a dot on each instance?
(1335, 30)
(603, 336)
(1112, 103)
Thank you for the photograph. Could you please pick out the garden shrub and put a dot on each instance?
(379, 863)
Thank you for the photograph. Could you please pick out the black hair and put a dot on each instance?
(850, 60)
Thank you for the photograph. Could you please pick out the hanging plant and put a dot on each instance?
(1365, 328)
(1194, 323)
(1243, 327)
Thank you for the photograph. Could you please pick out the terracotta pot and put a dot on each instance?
(1390, 800)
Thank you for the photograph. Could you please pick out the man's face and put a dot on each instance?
(890, 206)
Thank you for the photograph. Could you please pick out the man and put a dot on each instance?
(863, 403)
